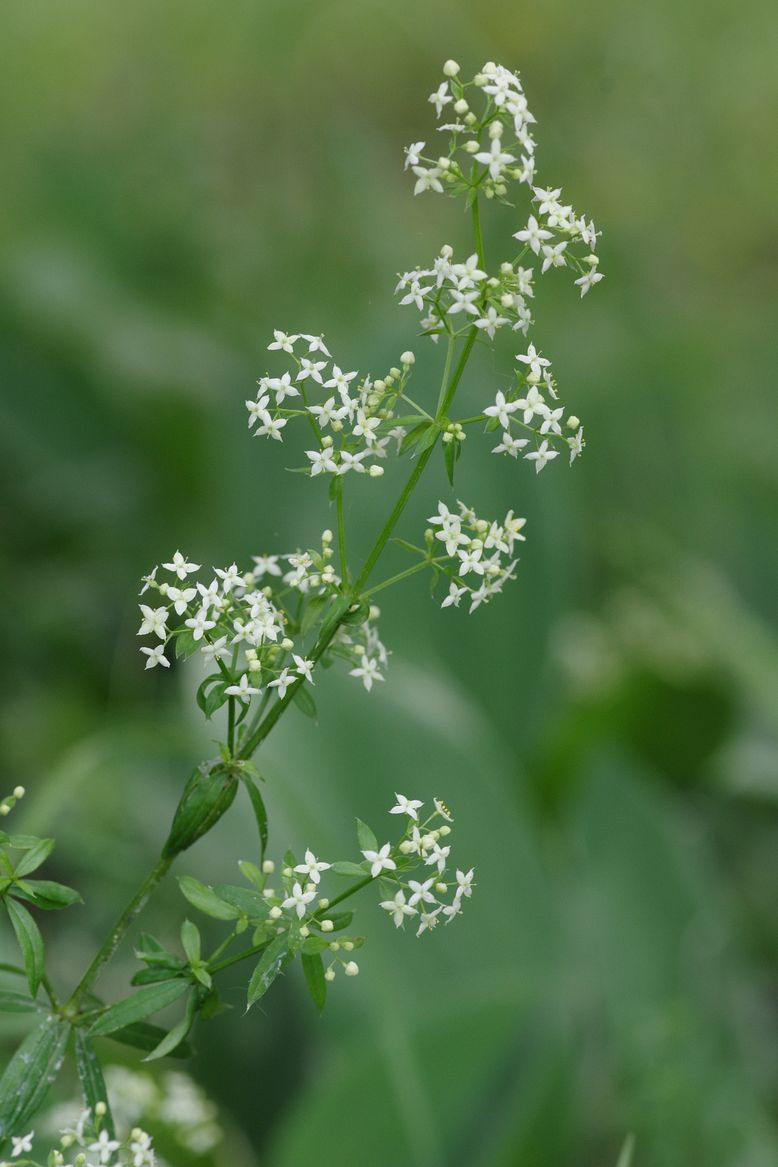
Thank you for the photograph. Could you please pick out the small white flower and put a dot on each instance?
(535, 361)
(427, 178)
(443, 810)
(464, 883)
(576, 444)
(398, 909)
(502, 410)
(299, 899)
(230, 577)
(427, 920)
(441, 97)
(244, 689)
(510, 445)
(553, 256)
(412, 154)
(495, 159)
(148, 580)
(409, 806)
(304, 667)
(541, 456)
(271, 428)
(22, 1144)
(156, 657)
(200, 624)
(380, 860)
(588, 281)
(282, 682)
(105, 1146)
(533, 234)
(322, 461)
(181, 598)
(421, 892)
(282, 341)
(316, 344)
(491, 321)
(154, 620)
(309, 368)
(367, 672)
(454, 596)
(216, 651)
(181, 566)
(438, 855)
(312, 867)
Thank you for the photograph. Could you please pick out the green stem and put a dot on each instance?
(112, 940)
(396, 578)
(341, 531)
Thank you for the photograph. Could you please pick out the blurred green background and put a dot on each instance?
(179, 178)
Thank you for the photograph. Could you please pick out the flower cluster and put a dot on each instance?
(352, 418)
(241, 624)
(474, 548)
(9, 802)
(89, 1142)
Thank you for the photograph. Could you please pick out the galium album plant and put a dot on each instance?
(262, 633)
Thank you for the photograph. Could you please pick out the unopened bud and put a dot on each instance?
(329, 975)
(451, 68)
(573, 422)
(275, 913)
(327, 925)
(407, 358)
(352, 969)
(19, 792)
(268, 867)
(375, 471)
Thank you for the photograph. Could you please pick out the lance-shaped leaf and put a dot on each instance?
(144, 1003)
(172, 1040)
(205, 899)
(273, 960)
(250, 903)
(33, 858)
(11, 1002)
(260, 814)
(314, 978)
(46, 894)
(30, 942)
(30, 1073)
(207, 795)
(143, 1035)
(366, 838)
(90, 1075)
(346, 867)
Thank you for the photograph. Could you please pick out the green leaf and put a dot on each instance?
(252, 873)
(47, 894)
(11, 1002)
(314, 978)
(30, 1073)
(260, 814)
(36, 855)
(205, 899)
(273, 960)
(142, 1004)
(23, 842)
(357, 613)
(625, 1158)
(207, 795)
(413, 436)
(251, 903)
(186, 644)
(428, 438)
(156, 974)
(90, 1075)
(313, 610)
(172, 1040)
(365, 837)
(340, 920)
(30, 942)
(190, 941)
(345, 867)
(450, 455)
(304, 700)
(143, 1035)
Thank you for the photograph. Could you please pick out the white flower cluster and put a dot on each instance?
(526, 409)
(88, 1143)
(427, 843)
(351, 418)
(453, 296)
(476, 548)
(241, 625)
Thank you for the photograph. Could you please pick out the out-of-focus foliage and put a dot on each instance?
(180, 177)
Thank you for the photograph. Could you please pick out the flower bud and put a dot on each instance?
(329, 974)
(268, 867)
(407, 358)
(495, 129)
(305, 931)
(326, 536)
(334, 946)
(327, 925)
(471, 146)
(352, 969)
(451, 68)
(19, 792)
(375, 471)
(324, 902)
(461, 106)
(100, 1109)
(275, 913)
(573, 422)
(348, 945)
(447, 251)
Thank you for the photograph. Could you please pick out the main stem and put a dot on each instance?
(448, 388)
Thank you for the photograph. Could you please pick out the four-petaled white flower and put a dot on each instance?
(154, 620)
(398, 909)
(200, 624)
(304, 667)
(421, 892)
(502, 409)
(533, 235)
(536, 362)
(181, 566)
(441, 97)
(299, 899)
(244, 689)
(367, 671)
(412, 154)
(282, 682)
(105, 1146)
(495, 159)
(22, 1144)
(409, 806)
(312, 867)
(156, 656)
(542, 455)
(380, 860)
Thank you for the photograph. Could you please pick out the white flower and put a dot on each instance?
(553, 256)
(257, 410)
(407, 806)
(340, 381)
(542, 456)
(22, 1144)
(298, 899)
(412, 153)
(148, 580)
(282, 341)
(427, 178)
(321, 461)
(283, 388)
(443, 810)
(304, 667)
(282, 682)
(502, 410)
(181, 566)
(230, 577)
(491, 321)
(535, 361)
(495, 159)
(367, 672)
(464, 883)
(533, 234)
(427, 920)
(200, 624)
(440, 97)
(576, 444)
(216, 651)
(588, 280)
(141, 1149)
(271, 428)
(510, 445)
(329, 412)
(438, 855)
(312, 867)
(421, 892)
(266, 565)
(454, 596)
(470, 560)
(463, 302)
(156, 657)
(309, 368)
(243, 689)
(380, 860)
(154, 620)
(398, 909)
(181, 598)
(105, 1146)
(531, 404)
(551, 419)
(316, 344)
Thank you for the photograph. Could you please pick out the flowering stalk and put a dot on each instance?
(262, 633)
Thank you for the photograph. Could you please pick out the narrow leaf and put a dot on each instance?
(260, 814)
(250, 903)
(142, 1004)
(314, 978)
(90, 1075)
(143, 1035)
(313, 610)
(270, 965)
(190, 941)
(30, 942)
(304, 701)
(205, 899)
(34, 857)
(345, 867)
(30, 1073)
(11, 1002)
(172, 1040)
(46, 894)
(365, 837)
